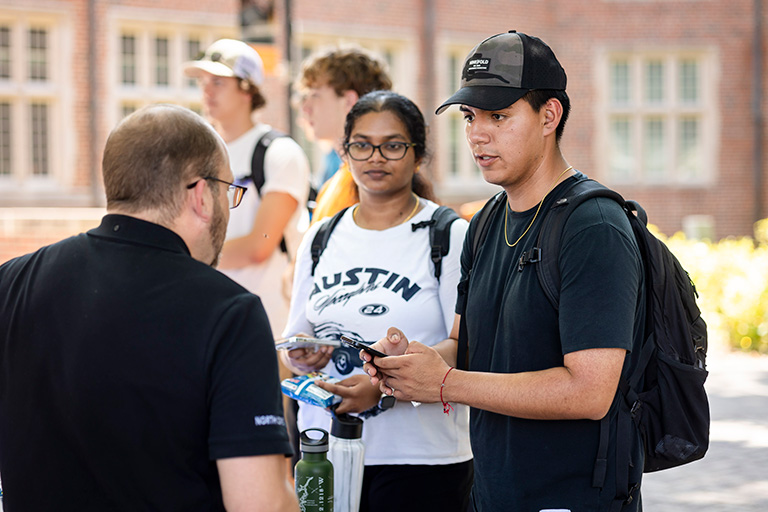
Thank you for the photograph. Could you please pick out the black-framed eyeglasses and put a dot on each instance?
(392, 150)
(235, 193)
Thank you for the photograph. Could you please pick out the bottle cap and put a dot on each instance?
(314, 440)
(345, 426)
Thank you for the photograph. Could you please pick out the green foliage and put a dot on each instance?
(731, 277)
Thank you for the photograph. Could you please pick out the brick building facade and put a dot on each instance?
(667, 94)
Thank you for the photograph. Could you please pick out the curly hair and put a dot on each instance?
(345, 69)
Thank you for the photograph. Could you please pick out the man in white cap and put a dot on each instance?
(264, 233)
(541, 378)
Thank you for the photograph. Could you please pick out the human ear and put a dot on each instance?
(199, 201)
(553, 112)
(350, 98)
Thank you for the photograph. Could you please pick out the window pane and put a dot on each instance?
(5, 139)
(389, 58)
(454, 135)
(689, 164)
(5, 52)
(621, 148)
(689, 81)
(620, 92)
(454, 72)
(38, 54)
(654, 155)
(39, 138)
(128, 109)
(161, 61)
(654, 81)
(306, 51)
(193, 53)
(455, 120)
(128, 57)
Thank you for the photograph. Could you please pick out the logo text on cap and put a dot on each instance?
(479, 67)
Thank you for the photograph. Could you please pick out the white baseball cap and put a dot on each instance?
(229, 57)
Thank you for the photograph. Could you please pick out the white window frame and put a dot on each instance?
(461, 179)
(22, 185)
(143, 24)
(671, 112)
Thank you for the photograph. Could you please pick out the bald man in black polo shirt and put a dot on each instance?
(134, 376)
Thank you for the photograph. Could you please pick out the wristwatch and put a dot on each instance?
(385, 402)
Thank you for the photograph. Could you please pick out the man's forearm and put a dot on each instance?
(447, 350)
(583, 390)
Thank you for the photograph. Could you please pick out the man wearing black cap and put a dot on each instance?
(538, 377)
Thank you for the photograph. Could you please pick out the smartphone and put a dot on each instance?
(361, 346)
(303, 342)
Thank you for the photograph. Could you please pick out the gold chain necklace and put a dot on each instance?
(506, 209)
(413, 212)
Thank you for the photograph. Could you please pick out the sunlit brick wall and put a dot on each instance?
(24, 230)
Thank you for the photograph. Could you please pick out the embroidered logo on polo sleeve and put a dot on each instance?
(269, 419)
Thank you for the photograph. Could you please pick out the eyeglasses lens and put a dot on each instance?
(389, 150)
(234, 195)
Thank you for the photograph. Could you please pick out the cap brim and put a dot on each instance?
(484, 97)
(193, 68)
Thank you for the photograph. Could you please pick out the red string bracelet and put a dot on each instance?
(446, 406)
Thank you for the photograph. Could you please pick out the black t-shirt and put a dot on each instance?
(126, 369)
(527, 465)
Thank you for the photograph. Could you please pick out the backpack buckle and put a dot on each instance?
(435, 253)
(532, 256)
(631, 496)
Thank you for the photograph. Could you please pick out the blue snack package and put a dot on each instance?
(303, 388)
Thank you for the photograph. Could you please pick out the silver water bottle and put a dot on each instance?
(347, 453)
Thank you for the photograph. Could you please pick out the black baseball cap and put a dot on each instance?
(503, 68)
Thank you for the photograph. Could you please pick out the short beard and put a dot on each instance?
(218, 232)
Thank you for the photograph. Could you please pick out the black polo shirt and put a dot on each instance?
(126, 369)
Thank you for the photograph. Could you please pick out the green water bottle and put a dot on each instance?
(314, 472)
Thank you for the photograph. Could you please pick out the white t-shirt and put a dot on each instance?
(286, 169)
(365, 282)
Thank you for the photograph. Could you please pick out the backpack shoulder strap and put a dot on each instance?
(481, 228)
(257, 167)
(440, 235)
(259, 152)
(549, 241)
(322, 236)
(548, 271)
(478, 237)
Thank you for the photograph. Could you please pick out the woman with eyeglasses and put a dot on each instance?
(375, 272)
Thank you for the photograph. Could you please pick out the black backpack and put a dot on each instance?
(664, 395)
(257, 172)
(439, 236)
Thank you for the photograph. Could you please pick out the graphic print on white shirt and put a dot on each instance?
(352, 286)
(365, 282)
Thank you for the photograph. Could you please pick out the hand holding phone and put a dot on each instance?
(361, 346)
(294, 342)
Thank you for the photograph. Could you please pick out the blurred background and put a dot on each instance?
(668, 102)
